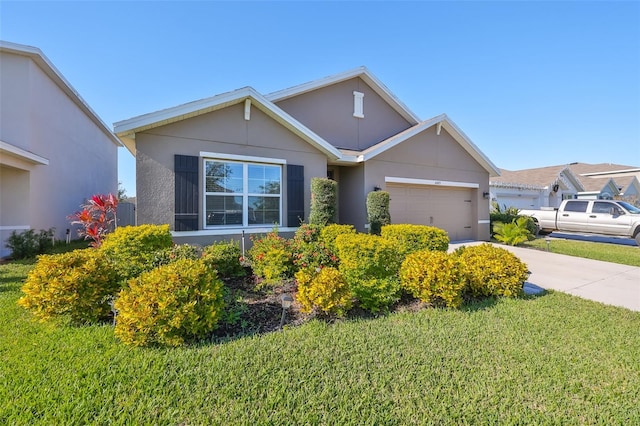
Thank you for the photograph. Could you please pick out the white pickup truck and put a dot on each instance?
(591, 216)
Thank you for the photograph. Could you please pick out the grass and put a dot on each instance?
(554, 359)
(626, 255)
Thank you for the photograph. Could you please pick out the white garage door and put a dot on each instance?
(447, 208)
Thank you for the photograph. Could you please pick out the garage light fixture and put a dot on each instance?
(485, 195)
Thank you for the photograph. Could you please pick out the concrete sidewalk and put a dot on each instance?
(605, 282)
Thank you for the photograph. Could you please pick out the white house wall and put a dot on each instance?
(39, 117)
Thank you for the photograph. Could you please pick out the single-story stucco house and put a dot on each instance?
(55, 152)
(241, 162)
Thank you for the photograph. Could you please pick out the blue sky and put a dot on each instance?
(531, 83)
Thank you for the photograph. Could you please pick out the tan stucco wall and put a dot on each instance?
(224, 131)
(38, 117)
(328, 111)
(433, 157)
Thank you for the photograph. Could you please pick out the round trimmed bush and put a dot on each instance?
(168, 305)
(493, 271)
(132, 249)
(326, 291)
(76, 284)
(434, 277)
(224, 257)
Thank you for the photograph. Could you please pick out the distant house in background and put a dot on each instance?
(240, 162)
(55, 151)
(548, 186)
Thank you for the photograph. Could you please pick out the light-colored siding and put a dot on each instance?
(224, 131)
(329, 113)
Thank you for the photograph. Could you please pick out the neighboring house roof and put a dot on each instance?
(56, 76)
(361, 72)
(538, 178)
(127, 129)
(592, 170)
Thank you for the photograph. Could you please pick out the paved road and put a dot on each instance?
(605, 282)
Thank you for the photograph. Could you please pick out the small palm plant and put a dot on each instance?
(513, 233)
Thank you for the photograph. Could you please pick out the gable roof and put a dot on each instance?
(538, 178)
(441, 120)
(56, 76)
(127, 129)
(592, 170)
(361, 72)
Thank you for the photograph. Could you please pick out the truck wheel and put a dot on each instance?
(637, 238)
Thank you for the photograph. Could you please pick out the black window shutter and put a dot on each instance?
(186, 190)
(295, 195)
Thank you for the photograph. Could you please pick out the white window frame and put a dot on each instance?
(245, 161)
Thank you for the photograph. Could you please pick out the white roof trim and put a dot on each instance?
(22, 154)
(450, 126)
(361, 72)
(56, 76)
(127, 129)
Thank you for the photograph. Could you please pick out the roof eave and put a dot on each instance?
(56, 76)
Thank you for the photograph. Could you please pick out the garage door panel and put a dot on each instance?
(450, 209)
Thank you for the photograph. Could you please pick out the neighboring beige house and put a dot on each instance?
(240, 162)
(55, 152)
(548, 186)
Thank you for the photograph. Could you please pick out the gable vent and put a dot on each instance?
(358, 104)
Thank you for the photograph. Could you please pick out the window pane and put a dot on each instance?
(264, 210)
(224, 210)
(264, 179)
(223, 177)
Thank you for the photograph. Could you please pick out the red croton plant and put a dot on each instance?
(97, 218)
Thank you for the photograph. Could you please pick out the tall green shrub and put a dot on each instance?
(28, 244)
(378, 211)
(323, 201)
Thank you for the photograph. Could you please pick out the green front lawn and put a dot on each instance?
(626, 255)
(555, 359)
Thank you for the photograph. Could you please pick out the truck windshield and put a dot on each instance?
(630, 208)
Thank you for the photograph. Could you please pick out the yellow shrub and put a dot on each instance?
(329, 233)
(326, 291)
(74, 284)
(178, 301)
(370, 265)
(133, 249)
(412, 238)
(434, 277)
(493, 271)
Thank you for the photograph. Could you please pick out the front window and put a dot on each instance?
(242, 194)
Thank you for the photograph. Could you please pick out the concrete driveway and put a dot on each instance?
(605, 282)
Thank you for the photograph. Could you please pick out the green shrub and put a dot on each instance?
(434, 277)
(506, 214)
(329, 233)
(132, 249)
(323, 201)
(224, 257)
(413, 238)
(28, 244)
(378, 211)
(325, 290)
(176, 252)
(514, 233)
(74, 284)
(370, 265)
(169, 305)
(271, 258)
(492, 271)
(312, 254)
